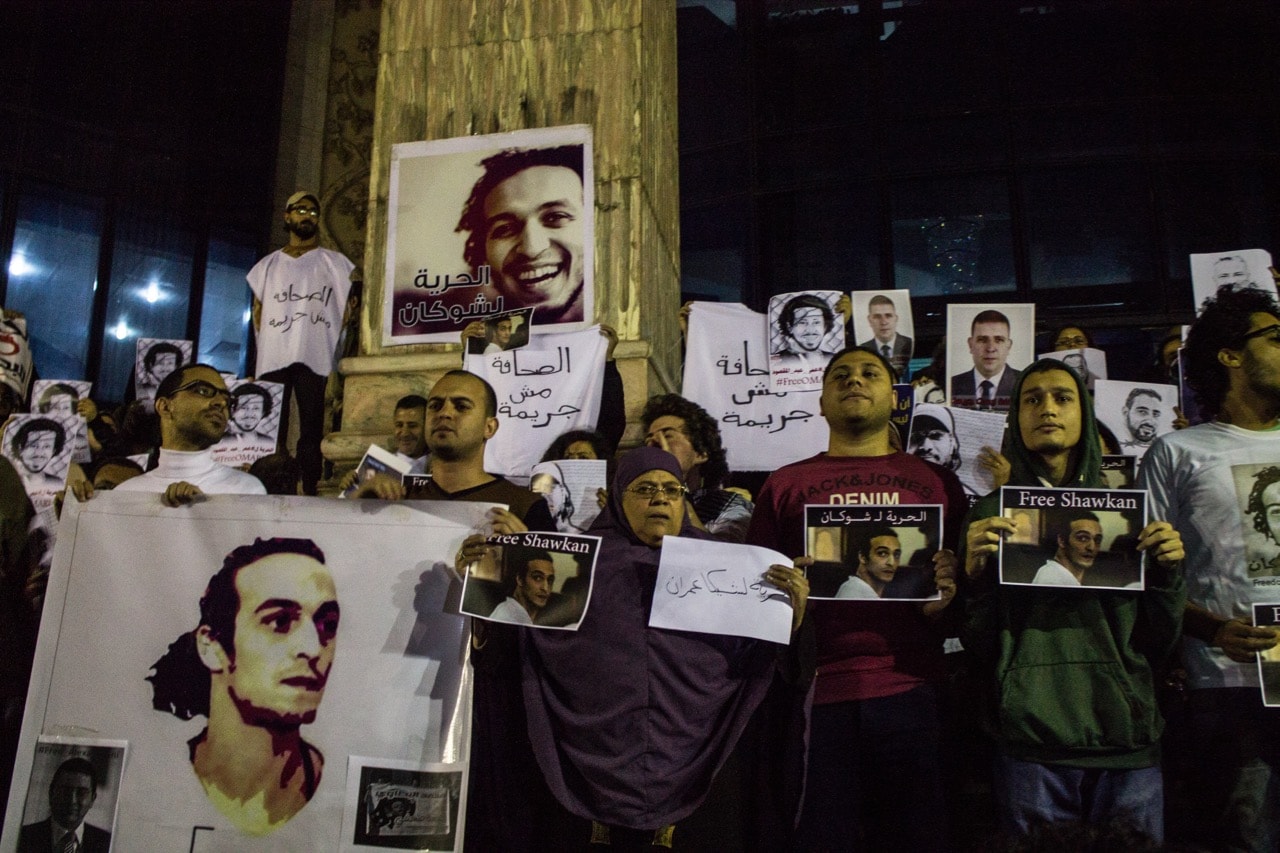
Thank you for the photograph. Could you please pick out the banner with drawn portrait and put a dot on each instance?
(254, 422)
(480, 225)
(251, 632)
(726, 371)
(155, 359)
(551, 385)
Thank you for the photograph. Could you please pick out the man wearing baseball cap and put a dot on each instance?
(299, 297)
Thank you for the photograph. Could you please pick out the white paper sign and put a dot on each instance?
(1239, 268)
(60, 397)
(719, 588)
(953, 438)
(1137, 413)
(546, 388)
(254, 422)
(726, 371)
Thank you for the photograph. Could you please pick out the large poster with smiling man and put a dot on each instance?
(482, 225)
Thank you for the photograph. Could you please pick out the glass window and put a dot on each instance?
(952, 236)
(821, 239)
(713, 251)
(224, 318)
(149, 295)
(53, 273)
(814, 70)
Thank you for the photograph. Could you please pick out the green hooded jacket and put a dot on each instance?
(1069, 674)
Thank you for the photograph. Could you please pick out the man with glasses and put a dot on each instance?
(299, 301)
(192, 404)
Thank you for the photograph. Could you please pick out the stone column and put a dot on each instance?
(456, 67)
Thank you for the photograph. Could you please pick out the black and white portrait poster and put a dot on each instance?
(987, 347)
(480, 225)
(1239, 268)
(402, 805)
(40, 448)
(154, 360)
(1258, 497)
(239, 653)
(1268, 616)
(805, 330)
(254, 422)
(1137, 413)
(872, 553)
(546, 388)
(506, 331)
(571, 488)
(61, 397)
(1072, 538)
(1119, 471)
(1089, 364)
(726, 371)
(542, 580)
(74, 785)
(954, 438)
(15, 356)
(882, 322)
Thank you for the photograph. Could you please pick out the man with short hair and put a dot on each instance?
(256, 666)
(524, 220)
(1071, 677)
(1142, 411)
(299, 304)
(534, 581)
(36, 444)
(990, 383)
(72, 793)
(250, 403)
(191, 404)
(59, 400)
(804, 322)
(878, 553)
(1232, 270)
(1079, 537)
(1202, 479)
(882, 317)
(875, 728)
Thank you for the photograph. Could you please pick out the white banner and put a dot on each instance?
(726, 371)
(354, 656)
(545, 388)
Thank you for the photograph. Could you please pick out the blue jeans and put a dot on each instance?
(874, 776)
(1029, 793)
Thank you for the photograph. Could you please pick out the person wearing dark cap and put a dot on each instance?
(299, 299)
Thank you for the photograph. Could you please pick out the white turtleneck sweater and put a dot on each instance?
(198, 469)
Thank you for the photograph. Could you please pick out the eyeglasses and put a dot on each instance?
(308, 211)
(1272, 332)
(1076, 342)
(649, 491)
(203, 389)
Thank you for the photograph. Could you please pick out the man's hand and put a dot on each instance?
(685, 309)
(348, 479)
(612, 334)
(505, 521)
(993, 462)
(474, 329)
(983, 540)
(1162, 542)
(181, 493)
(844, 307)
(82, 489)
(945, 565)
(1241, 641)
(792, 581)
(382, 487)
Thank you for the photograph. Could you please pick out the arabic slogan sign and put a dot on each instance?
(546, 388)
(345, 602)
(481, 225)
(15, 356)
(726, 371)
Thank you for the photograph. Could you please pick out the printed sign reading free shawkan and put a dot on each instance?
(481, 225)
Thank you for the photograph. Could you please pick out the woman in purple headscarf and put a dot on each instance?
(638, 728)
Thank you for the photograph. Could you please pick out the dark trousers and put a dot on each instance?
(307, 389)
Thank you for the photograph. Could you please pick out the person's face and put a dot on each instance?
(1142, 417)
(1071, 337)
(1271, 506)
(989, 347)
(1232, 271)
(1260, 360)
(108, 477)
(502, 333)
(879, 566)
(399, 808)
(248, 412)
(286, 632)
(198, 420)
(162, 365)
(670, 433)
(857, 391)
(38, 450)
(70, 797)
(580, 450)
(534, 588)
(1082, 545)
(533, 236)
(884, 321)
(59, 405)
(551, 489)
(661, 515)
(457, 426)
(409, 432)
(1049, 412)
(934, 444)
(303, 219)
(807, 328)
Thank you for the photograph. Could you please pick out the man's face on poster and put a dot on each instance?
(162, 365)
(38, 450)
(881, 562)
(248, 412)
(934, 443)
(534, 589)
(1142, 417)
(534, 237)
(59, 405)
(884, 321)
(808, 328)
(1233, 271)
(1075, 360)
(989, 345)
(1081, 546)
(502, 332)
(71, 795)
(286, 631)
(1271, 506)
(552, 490)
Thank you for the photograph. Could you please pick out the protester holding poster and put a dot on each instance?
(631, 724)
(1071, 676)
(1216, 482)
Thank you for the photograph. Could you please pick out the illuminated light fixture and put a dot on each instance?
(152, 293)
(18, 265)
(121, 331)
(248, 315)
